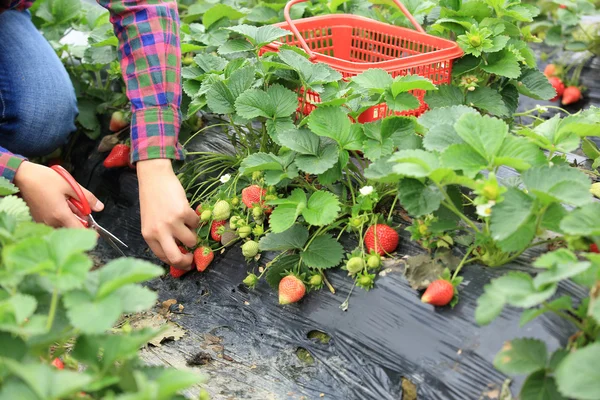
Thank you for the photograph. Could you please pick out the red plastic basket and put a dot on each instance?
(352, 44)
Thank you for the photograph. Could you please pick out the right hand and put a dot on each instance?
(46, 194)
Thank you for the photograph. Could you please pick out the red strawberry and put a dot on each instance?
(558, 85)
(381, 238)
(176, 272)
(199, 209)
(594, 248)
(118, 157)
(562, 6)
(203, 256)
(291, 289)
(550, 70)
(54, 161)
(571, 95)
(117, 121)
(253, 194)
(214, 234)
(57, 362)
(438, 293)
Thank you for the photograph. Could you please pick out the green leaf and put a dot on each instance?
(440, 122)
(414, 163)
(489, 306)
(539, 386)
(333, 122)
(28, 256)
(373, 79)
(71, 274)
(489, 100)
(382, 171)
(284, 216)
(503, 63)
(65, 10)
(406, 83)
(402, 102)
(562, 303)
(323, 252)
(260, 36)
(277, 269)
(519, 291)
(326, 158)
(511, 215)
(66, 242)
(558, 184)
(379, 143)
(95, 317)
(136, 298)
(276, 102)
(122, 272)
(519, 153)
(210, 63)
(521, 356)
(445, 96)
(15, 207)
(48, 382)
(235, 46)
(6, 187)
(261, 162)
(559, 272)
(87, 114)
(578, 375)
(23, 306)
(172, 381)
(293, 238)
(322, 208)
(583, 221)
(302, 141)
(485, 134)
(262, 15)
(310, 73)
(534, 84)
(465, 158)
(219, 11)
(417, 198)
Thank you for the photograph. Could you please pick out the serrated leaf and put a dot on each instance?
(578, 375)
(15, 207)
(484, 134)
(445, 96)
(285, 214)
(407, 83)
(489, 306)
(503, 63)
(293, 238)
(402, 102)
(302, 141)
(489, 100)
(382, 170)
(521, 356)
(559, 272)
(519, 153)
(322, 208)
(518, 290)
(87, 114)
(136, 298)
(414, 163)
(276, 102)
(23, 306)
(235, 46)
(583, 221)
(65, 10)
(418, 198)
(277, 269)
(534, 84)
(333, 122)
(210, 63)
(558, 184)
(95, 317)
(539, 386)
(325, 159)
(310, 73)
(463, 157)
(124, 271)
(219, 11)
(513, 216)
(261, 162)
(323, 252)
(260, 36)
(6, 187)
(373, 79)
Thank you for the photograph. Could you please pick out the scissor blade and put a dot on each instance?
(112, 244)
(106, 234)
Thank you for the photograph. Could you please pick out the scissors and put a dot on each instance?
(81, 204)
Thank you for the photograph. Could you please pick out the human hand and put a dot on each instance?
(166, 213)
(46, 194)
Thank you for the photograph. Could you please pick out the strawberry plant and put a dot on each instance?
(57, 339)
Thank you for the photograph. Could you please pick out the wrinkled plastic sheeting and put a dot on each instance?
(386, 334)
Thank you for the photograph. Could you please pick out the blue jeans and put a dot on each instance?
(37, 100)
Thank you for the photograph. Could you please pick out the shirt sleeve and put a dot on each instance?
(150, 57)
(9, 163)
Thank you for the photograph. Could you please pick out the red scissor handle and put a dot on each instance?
(80, 203)
(288, 6)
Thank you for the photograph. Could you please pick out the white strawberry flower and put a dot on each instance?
(225, 178)
(366, 190)
(485, 210)
(541, 109)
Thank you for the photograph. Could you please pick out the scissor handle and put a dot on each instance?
(79, 202)
(286, 14)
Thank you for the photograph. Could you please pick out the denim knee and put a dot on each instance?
(38, 105)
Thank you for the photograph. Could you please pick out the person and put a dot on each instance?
(38, 108)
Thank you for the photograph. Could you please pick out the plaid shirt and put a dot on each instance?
(150, 55)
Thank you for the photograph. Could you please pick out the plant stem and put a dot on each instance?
(329, 286)
(462, 262)
(566, 316)
(52, 313)
(350, 185)
(392, 208)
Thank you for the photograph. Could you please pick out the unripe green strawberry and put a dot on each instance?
(257, 212)
(205, 215)
(235, 201)
(258, 230)
(316, 280)
(256, 175)
(374, 261)
(244, 231)
(250, 249)
(270, 197)
(475, 41)
(365, 281)
(356, 222)
(355, 265)
(233, 222)
(251, 280)
(221, 210)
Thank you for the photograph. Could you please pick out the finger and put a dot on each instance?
(185, 235)
(67, 219)
(176, 258)
(93, 201)
(191, 219)
(157, 250)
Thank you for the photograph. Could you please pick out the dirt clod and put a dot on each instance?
(200, 358)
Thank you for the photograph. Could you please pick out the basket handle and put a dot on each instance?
(286, 14)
